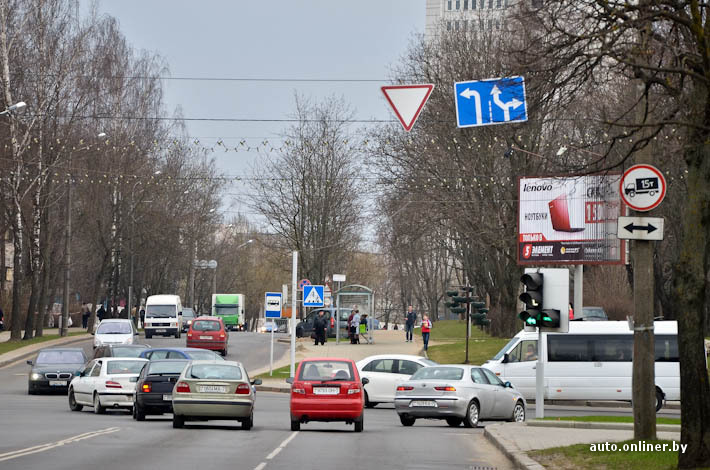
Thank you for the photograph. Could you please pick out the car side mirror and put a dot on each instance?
(79, 373)
(256, 382)
(508, 385)
(505, 358)
(289, 380)
(92, 333)
(31, 363)
(365, 381)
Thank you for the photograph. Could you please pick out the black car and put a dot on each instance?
(119, 350)
(155, 387)
(187, 316)
(54, 368)
(305, 328)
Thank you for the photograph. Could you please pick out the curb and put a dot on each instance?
(519, 458)
(598, 425)
(602, 404)
(29, 350)
(269, 388)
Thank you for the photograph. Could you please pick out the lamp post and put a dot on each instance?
(211, 264)
(15, 107)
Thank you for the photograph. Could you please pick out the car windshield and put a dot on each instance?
(204, 355)
(206, 325)
(160, 311)
(215, 371)
(60, 357)
(505, 349)
(326, 370)
(593, 313)
(123, 351)
(171, 367)
(114, 328)
(187, 313)
(438, 373)
(124, 367)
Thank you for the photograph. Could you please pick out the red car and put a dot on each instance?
(327, 389)
(208, 333)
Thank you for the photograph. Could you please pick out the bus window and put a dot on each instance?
(613, 348)
(569, 348)
(666, 347)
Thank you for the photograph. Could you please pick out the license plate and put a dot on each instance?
(211, 389)
(326, 390)
(58, 383)
(167, 398)
(162, 330)
(205, 337)
(428, 403)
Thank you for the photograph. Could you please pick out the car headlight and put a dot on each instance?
(35, 376)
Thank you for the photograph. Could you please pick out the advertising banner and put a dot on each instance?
(569, 220)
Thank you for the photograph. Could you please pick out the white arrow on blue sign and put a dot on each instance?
(313, 296)
(272, 304)
(492, 101)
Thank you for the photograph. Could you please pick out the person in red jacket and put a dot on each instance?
(426, 329)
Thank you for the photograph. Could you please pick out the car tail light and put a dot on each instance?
(243, 389)
(353, 391)
(445, 389)
(403, 388)
(221, 335)
(300, 391)
(112, 384)
(146, 388)
(189, 335)
(182, 387)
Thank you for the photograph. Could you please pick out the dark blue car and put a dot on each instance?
(180, 353)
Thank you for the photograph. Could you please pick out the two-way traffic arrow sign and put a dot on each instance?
(640, 228)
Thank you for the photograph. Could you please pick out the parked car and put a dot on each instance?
(154, 388)
(107, 382)
(327, 389)
(54, 368)
(188, 315)
(305, 327)
(114, 331)
(385, 372)
(120, 350)
(458, 394)
(592, 314)
(208, 333)
(180, 353)
(214, 390)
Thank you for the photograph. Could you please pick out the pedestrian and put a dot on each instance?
(319, 326)
(142, 314)
(101, 313)
(426, 329)
(363, 328)
(134, 316)
(354, 325)
(84, 315)
(411, 317)
(350, 322)
(2, 319)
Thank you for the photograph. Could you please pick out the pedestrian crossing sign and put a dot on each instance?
(313, 296)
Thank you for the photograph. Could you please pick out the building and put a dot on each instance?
(465, 15)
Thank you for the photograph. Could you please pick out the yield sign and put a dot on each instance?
(407, 101)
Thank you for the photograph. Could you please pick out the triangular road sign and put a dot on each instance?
(313, 297)
(407, 101)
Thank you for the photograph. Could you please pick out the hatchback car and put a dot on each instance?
(208, 333)
(154, 388)
(114, 331)
(458, 394)
(214, 390)
(107, 382)
(120, 350)
(188, 316)
(327, 389)
(180, 353)
(385, 372)
(53, 369)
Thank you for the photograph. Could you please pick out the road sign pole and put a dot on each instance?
(271, 358)
(293, 313)
(337, 316)
(539, 379)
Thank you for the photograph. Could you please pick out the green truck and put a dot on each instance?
(230, 307)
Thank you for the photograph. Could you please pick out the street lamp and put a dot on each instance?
(14, 107)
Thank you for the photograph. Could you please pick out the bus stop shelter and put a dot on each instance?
(352, 296)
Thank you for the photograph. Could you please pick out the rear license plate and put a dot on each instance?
(58, 383)
(211, 389)
(429, 403)
(162, 330)
(326, 390)
(167, 398)
(205, 337)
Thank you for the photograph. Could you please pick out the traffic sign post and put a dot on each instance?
(272, 304)
(302, 283)
(491, 101)
(407, 101)
(640, 228)
(313, 296)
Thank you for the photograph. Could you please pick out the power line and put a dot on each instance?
(230, 79)
(168, 118)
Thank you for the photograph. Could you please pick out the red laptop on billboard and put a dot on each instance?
(562, 219)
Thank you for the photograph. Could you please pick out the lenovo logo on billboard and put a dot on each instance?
(569, 220)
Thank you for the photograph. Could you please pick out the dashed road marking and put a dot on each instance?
(52, 445)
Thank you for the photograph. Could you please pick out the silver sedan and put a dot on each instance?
(458, 393)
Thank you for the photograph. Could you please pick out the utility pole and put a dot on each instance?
(468, 319)
(67, 256)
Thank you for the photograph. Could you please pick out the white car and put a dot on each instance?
(106, 382)
(385, 372)
(114, 331)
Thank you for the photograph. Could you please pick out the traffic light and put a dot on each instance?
(550, 318)
(479, 316)
(455, 304)
(532, 298)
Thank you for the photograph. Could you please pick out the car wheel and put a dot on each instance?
(659, 400)
(454, 422)
(178, 421)
(407, 420)
(98, 409)
(360, 423)
(518, 413)
(299, 332)
(471, 420)
(368, 403)
(248, 423)
(295, 425)
(138, 412)
(73, 405)
(31, 390)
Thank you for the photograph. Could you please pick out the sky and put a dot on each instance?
(267, 39)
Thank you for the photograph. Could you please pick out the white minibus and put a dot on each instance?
(163, 316)
(590, 362)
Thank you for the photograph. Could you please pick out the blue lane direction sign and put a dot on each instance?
(313, 296)
(491, 101)
(272, 304)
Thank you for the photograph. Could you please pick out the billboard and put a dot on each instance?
(569, 220)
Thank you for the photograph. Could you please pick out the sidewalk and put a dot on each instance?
(384, 342)
(31, 349)
(516, 439)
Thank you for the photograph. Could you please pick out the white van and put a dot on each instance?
(591, 362)
(163, 316)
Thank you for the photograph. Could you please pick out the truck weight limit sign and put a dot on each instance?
(642, 187)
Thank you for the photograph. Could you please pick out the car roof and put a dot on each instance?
(111, 359)
(208, 317)
(145, 346)
(179, 349)
(212, 361)
(170, 360)
(410, 357)
(116, 320)
(333, 359)
(60, 349)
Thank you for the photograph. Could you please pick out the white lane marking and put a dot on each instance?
(260, 466)
(282, 445)
(20, 374)
(51, 445)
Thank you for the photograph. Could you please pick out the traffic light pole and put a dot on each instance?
(468, 320)
(539, 379)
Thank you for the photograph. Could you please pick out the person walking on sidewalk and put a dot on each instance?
(411, 317)
(354, 325)
(85, 315)
(363, 328)
(426, 329)
(319, 326)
